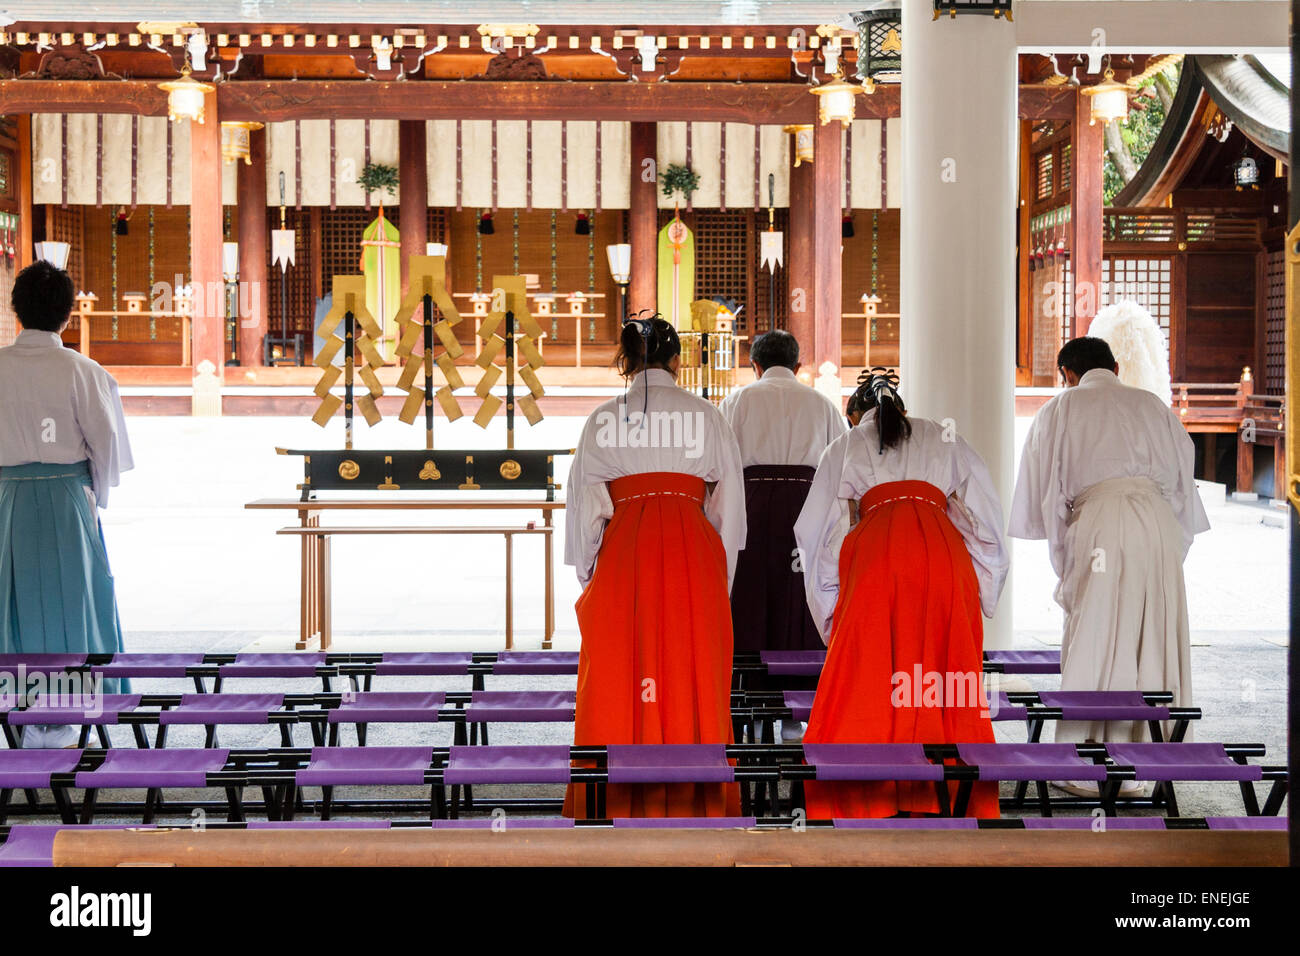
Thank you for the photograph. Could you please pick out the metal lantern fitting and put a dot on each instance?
(1109, 100)
(1245, 173)
(836, 100)
(880, 44)
(803, 142)
(235, 140)
(185, 97)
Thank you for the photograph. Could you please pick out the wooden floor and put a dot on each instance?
(610, 847)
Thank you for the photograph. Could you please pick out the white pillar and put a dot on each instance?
(960, 130)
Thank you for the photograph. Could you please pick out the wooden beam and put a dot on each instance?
(206, 226)
(413, 190)
(828, 242)
(254, 288)
(271, 100)
(591, 846)
(1046, 102)
(643, 219)
(141, 97)
(1086, 164)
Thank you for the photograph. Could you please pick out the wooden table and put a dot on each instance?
(315, 629)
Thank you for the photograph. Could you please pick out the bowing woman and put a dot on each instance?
(898, 595)
(654, 519)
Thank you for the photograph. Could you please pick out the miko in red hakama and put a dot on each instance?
(908, 606)
(655, 665)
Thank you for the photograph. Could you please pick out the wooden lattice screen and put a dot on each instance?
(726, 263)
(298, 298)
(67, 224)
(1274, 377)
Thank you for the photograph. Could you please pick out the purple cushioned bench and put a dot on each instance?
(40, 663)
(1024, 662)
(272, 665)
(1004, 709)
(863, 762)
(222, 709)
(528, 706)
(147, 665)
(1030, 762)
(907, 823)
(1087, 823)
(504, 823)
(1103, 705)
(793, 663)
(425, 664)
(27, 769)
(1246, 823)
(669, 763)
(684, 823)
(319, 825)
(153, 769)
(800, 703)
(365, 766)
(75, 709)
(388, 707)
(32, 844)
(1162, 762)
(536, 662)
(492, 765)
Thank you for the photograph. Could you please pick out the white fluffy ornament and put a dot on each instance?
(1138, 344)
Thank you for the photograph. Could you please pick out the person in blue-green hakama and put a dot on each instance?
(63, 445)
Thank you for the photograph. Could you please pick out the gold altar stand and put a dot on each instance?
(314, 628)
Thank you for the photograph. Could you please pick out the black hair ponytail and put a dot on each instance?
(878, 389)
(646, 341)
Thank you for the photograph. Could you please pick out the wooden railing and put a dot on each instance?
(1212, 408)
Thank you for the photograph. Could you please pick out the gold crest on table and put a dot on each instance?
(510, 469)
(430, 472)
(349, 469)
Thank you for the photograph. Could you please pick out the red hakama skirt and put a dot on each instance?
(905, 658)
(655, 665)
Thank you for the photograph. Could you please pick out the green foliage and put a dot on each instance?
(680, 178)
(377, 176)
(1140, 130)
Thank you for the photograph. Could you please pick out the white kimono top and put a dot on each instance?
(58, 407)
(778, 420)
(678, 432)
(853, 464)
(1097, 430)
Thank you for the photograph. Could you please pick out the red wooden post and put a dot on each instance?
(413, 186)
(827, 305)
(206, 229)
(254, 289)
(643, 220)
(1086, 214)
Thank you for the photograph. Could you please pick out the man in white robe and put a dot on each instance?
(1106, 477)
(63, 445)
(782, 427)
